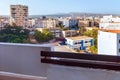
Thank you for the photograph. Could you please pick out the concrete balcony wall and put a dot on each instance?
(14, 76)
(78, 73)
(23, 59)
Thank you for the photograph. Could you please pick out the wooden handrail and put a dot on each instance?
(81, 60)
(81, 56)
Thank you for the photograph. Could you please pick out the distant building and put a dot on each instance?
(46, 23)
(4, 22)
(109, 22)
(109, 42)
(57, 33)
(73, 22)
(88, 23)
(83, 23)
(69, 33)
(19, 15)
(64, 21)
(80, 42)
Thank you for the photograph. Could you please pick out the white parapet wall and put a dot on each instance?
(14, 76)
(77, 73)
(23, 58)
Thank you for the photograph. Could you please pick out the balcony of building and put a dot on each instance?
(41, 62)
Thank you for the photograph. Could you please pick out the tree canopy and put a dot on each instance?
(92, 33)
(43, 36)
(14, 34)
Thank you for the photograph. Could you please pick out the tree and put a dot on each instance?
(43, 36)
(92, 33)
(82, 30)
(93, 50)
(14, 34)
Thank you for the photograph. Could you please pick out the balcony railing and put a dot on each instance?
(81, 60)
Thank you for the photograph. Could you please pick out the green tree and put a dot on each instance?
(82, 30)
(43, 36)
(93, 50)
(92, 33)
(14, 34)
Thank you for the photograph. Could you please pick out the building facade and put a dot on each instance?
(73, 22)
(83, 23)
(64, 21)
(56, 32)
(109, 22)
(69, 33)
(46, 23)
(79, 43)
(109, 42)
(18, 15)
(4, 22)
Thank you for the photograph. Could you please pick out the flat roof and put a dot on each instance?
(112, 31)
(79, 37)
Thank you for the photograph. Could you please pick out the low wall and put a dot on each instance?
(13, 76)
(23, 58)
(78, 73)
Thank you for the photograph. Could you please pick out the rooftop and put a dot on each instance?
(112, 31)
(79, 38)
(70, 30)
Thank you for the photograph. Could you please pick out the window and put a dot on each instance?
(86, 41)
(119, 41)
(75, 43)
(119, 50)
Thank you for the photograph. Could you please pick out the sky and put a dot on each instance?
(45, 7)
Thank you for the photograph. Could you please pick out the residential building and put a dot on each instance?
(73, 22)
(19, 15)
(4, 22)
(69, 33)
(46, 23)
(64, 21)
(57, 33)
(109, 22)
(80, 42)
(109, 42)
(83, 23)
(88, 23)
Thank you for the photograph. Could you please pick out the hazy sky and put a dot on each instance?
(41, 7)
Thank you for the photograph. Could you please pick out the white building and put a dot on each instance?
(80, 42)
(64, 21)
(69, 33)
(55, 31)
(46, 23)
(109, 42)
(109, 22)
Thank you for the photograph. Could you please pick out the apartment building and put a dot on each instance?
(80, 42)
(64, 21)
(4, 22)
(73, 22)
(46, 23)
(109, 42)
(69, 33)
(83, 23)
(109, 22)
(19, 15)
(57, 33)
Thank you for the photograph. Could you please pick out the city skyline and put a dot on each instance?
(46, 7)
